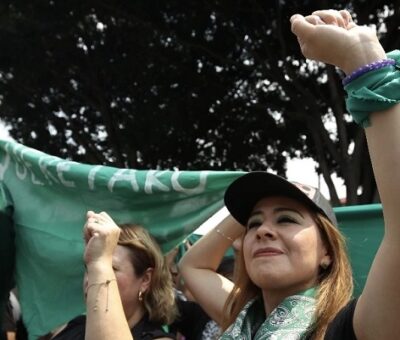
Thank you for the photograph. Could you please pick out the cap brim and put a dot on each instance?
(243, 194)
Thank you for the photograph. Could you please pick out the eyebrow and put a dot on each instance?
(279, 209)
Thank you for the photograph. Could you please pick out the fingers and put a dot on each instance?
(90, 213)
(314, 20)
(96, 224)
(325, 17)
(90, 228)
(99, 217)
(346, 16)
(105, 217)
(348, 19)
(331, 17)
(340, 18)
(304, 28)
(299, 25)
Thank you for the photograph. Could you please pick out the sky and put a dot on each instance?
(3, 131)
(303, 171)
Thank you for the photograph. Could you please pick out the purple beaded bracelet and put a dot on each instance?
(367, 68)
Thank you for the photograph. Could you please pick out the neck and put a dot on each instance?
(135, 316)
(273, 298)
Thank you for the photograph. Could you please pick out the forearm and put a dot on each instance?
(384, 147)
(199, 265)
(105, 315)
(209, 250)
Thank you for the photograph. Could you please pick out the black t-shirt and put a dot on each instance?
(341, 327)
(144, 330)
(191, 321)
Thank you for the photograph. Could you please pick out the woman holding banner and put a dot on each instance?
(128, 287)
(294, 279)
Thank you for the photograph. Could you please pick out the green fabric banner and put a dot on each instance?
(44, 199)
(363, 228)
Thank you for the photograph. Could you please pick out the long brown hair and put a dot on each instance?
(159, 299)
(333, 292)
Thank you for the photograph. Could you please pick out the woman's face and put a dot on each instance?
(129, 284)
(282, 247)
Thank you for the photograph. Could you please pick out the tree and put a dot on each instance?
(191, 85)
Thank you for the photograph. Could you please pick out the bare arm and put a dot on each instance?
(378, 308)
(105, 315)
(198, 268)
(349, 46)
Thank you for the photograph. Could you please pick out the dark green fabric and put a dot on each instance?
(48, 199)
(362, 226)
(291, 319)
(7, 248)
(374, 91)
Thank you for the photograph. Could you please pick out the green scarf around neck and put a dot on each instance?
(290, 320)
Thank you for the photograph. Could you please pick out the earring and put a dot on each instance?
(140, 296)
(324, 265)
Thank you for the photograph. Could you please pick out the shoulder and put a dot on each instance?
(147, 330)
(341, 326)
(75, 329)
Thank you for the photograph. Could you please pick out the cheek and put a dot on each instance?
(122, 280)
(247, 250)
(246, 246)
(307, 246)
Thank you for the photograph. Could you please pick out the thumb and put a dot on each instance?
(300, 26)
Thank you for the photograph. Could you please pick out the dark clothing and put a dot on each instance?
(144, 330)
(191, 321)
(342, 325)
(147, 330)
(74, 330)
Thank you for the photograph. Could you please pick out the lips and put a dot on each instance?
(267, 251)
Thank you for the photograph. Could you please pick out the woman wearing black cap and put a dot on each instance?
(294, 279)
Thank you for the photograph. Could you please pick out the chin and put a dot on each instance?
(267, 282)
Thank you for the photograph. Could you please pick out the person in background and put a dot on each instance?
(294, 277)
(128, 287)
(11, 318)
(193, 322)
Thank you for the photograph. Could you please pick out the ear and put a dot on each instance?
(237, 243)
(146, 279)
(326, 261)
(326, 258)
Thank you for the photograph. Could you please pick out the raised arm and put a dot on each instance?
(105, 315)
(198, 267)
(332, 37)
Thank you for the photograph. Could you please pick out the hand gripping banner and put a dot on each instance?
(44, 199)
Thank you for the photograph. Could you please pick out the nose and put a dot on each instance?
(266, 230)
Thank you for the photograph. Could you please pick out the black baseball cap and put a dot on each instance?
(242, 194)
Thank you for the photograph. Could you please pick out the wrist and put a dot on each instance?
(229, 229)
(368, 54)
(99, 266)
(367, 69)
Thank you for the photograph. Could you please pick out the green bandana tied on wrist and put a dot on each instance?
(291, 320)
(374, 91)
